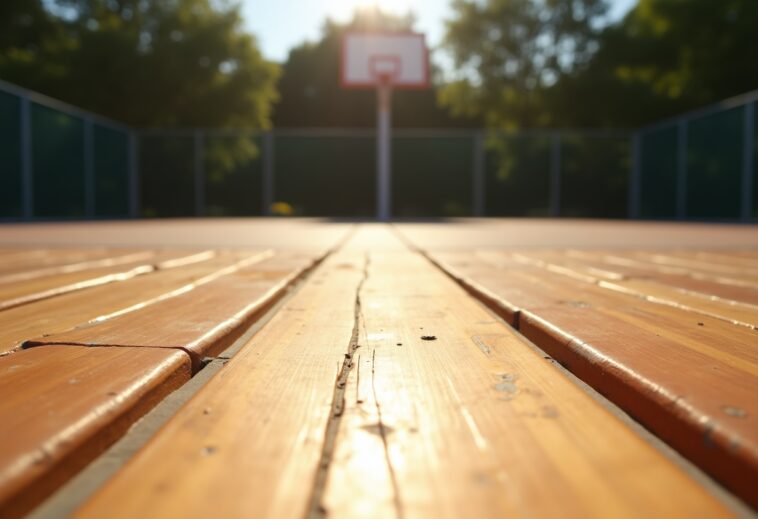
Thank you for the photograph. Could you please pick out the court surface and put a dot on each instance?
(285, 367)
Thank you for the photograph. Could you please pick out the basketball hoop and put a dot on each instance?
(385, 68)
(373, 58)
(384, 61)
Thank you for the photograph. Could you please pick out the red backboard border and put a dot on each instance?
(422, 85)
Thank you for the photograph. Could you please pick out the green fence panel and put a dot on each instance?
(10, 156)
(167, 182)
(517, 176)
(714, 165)
(658, 165)
(755, 162)
(326, 175)
(594, 176)
(432, 176)
(111, 162)
(57, 163)
(233, 175)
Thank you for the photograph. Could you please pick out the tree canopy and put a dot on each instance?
(664, 58)
(508, 53)
(527, 63)
(515, 63)
(168, 63)
(310, 86)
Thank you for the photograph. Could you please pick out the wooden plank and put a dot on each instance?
(689, 378)
(61, 313)
(615, 258)
(249, 443)
(61, 407)
(736, 312)
(203, 321)
(474, 423)
(746, 259)
(682, 260)
(304, 234)
(53, 261)
(593, 263)
(530, 233)
(34, 289)
(14, 260)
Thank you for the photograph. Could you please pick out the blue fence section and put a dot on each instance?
(59, 162)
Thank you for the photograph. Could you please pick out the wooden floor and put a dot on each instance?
(471, 368)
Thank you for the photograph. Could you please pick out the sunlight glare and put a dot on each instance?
(343, 9)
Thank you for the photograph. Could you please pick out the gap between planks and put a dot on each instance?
(66, 499)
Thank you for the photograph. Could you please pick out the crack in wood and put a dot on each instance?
(383, 433)
(317, 508)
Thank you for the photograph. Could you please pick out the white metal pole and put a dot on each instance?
(384, 152)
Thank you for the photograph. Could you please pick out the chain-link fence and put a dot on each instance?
(58, 162)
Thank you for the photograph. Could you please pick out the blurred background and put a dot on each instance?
(576, 108)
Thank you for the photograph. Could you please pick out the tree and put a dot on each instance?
(665, 57)
(508, 53)
(168, 63)
(310, 87)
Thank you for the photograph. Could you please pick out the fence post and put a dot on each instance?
(199, 174)
(134, 201)
(748, 153)
(89, 169)
(478, 175)
(681, 170)
(268, 173)
(555, 175)
(27, 181)
(635, 177)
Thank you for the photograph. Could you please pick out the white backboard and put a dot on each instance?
(399, 58)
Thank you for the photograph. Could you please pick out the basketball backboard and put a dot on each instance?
(369, 59)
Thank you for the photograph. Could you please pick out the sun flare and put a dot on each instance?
(345, 8)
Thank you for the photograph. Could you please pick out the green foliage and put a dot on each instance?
(663, 58)
(167, 63)
(507, 53)
(311, 94)
(527, 63)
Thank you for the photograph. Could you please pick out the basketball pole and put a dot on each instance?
(383, 151)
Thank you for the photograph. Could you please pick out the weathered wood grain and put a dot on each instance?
(55, 262)
(249, 443)
(736, 312)
(42, 287)
(684, 279)
(475, 423)
(58, 314)
(62, 406)
(472, 423)
(688, 377)
(24, 258)
(202, 321)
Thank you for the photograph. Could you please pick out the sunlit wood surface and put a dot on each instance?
(412, 370)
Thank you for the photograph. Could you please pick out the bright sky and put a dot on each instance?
(283, 24)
